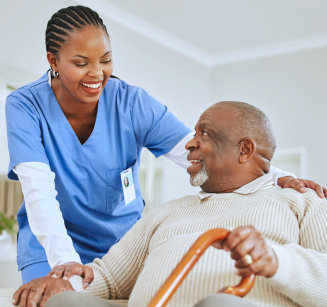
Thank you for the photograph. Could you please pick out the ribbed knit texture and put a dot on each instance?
(295, 224)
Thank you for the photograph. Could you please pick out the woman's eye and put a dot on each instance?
(107, 61)
(81, 64)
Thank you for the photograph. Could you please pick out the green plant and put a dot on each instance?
(7, 224)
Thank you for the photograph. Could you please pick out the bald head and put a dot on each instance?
(233, 145)
(252, 123)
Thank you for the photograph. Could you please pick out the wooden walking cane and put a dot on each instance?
(188, 261)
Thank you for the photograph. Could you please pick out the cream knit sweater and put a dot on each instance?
(295, 224)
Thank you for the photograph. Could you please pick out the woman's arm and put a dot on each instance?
(43, 212)
(179, 154)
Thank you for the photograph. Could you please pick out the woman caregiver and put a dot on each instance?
(74, 135)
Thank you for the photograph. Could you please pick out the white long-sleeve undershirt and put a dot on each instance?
(43, 212)
(43, 209)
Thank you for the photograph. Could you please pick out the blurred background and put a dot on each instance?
(189, 55)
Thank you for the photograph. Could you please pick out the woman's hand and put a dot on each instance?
(301, 184)
(253, 255)
(65, 271)
(38, 291)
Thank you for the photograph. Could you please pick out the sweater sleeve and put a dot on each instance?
(302, 269)
(116, 273)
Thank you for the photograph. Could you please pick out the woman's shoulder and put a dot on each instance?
(123, 95)
(26, 99)
(26, 91)
(116, 84)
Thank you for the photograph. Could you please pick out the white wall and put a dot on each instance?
(4, 156)
(291, 90)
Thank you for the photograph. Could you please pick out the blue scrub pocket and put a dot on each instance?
(114, 192)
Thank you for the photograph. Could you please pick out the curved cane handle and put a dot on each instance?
(188, 261)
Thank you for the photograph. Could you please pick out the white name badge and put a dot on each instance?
(128, 185)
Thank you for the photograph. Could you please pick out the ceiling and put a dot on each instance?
(216, 31)
(211, 32)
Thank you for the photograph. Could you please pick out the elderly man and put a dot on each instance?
(278, 234)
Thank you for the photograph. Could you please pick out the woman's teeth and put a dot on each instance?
(92, 85)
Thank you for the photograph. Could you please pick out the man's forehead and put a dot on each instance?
(212, 116)
(205, 120)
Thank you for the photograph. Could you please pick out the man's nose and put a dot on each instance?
(192, 144)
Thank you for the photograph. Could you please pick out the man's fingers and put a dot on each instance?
(258, 266)
(88, 276)
(242, 262)
(218, 244)
(247, 246)
(256, 253)
(236, 236)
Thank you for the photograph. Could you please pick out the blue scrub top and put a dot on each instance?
(87, 178)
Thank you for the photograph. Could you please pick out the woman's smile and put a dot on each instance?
(93, 88)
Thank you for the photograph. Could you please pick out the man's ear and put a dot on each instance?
(247, 148)
(53, 61)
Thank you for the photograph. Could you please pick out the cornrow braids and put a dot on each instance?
(67, 20)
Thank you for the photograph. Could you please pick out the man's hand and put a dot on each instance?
(69, 269)
(301, 184)
(251, 252)
(38, 291)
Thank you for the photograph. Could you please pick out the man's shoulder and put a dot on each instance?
(295, 199)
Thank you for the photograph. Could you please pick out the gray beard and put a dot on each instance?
(200, 178)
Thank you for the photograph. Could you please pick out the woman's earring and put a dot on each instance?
(54, 74)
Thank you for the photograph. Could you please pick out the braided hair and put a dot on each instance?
(67, 20)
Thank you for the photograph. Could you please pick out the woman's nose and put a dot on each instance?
(95, 71)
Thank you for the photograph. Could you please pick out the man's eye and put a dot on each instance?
(204, 132)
